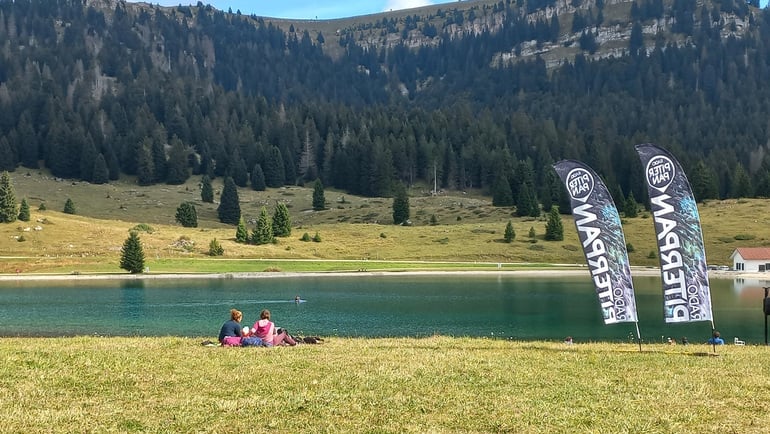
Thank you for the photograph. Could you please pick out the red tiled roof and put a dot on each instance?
(753, 253)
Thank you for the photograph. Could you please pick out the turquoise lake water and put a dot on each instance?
(495, 305)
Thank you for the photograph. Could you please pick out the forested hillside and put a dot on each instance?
(485, 95)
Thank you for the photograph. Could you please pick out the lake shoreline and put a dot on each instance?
(635, 272)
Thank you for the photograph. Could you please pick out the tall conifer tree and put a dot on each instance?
(554, 230)
(241, 233)
(8, 211)
(319, 201)
(229, 209)
(263, 233)
(207, 192)
(258, 178)
(281, 221)
(132, 254)
(400, 205)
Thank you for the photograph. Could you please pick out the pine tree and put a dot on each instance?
(132, 254)
(100, 173)
(510, 235)
(24, 211)
(319, 201)
(6, 155)
(216, 249)
(263, 234)
(177, 166)
(69, 206)
(275, 173)
(281, 221)
(554, 230)
(186, 215)
(630, 207)
(8, 211)
(527, 203)
(241, 233)
(145, 171)
(229, 209)
(207, 193)
(501, 192)
(87, 160)
(238, 170)
(258, 178)
(400, 206)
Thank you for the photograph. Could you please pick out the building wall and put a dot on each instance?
(750, 265)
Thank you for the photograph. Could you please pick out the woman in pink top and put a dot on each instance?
(265, 330)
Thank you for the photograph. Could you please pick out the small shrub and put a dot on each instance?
(744, 237)
(652, 255)
(69, 207)
(532, 233)
(483, 231)
(42, 207)
(305, 237)
(630, 248)
(444, 240)
(537, 247)
(570, 247)
(142, 227)
(316, 238)
(216, 249)
(21, 239)
(382, 235)
(459, 218)
(433, 220)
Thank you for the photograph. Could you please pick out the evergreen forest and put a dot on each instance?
(473, 95)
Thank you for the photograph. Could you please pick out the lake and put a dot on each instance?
(495, 305)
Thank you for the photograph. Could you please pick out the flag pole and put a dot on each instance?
(638, 335)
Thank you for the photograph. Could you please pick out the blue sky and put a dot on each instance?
(313, 9)
(307, 9)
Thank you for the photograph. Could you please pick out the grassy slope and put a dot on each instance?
(358, 230)
(437, 384)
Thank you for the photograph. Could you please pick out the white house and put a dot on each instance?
(751, 259)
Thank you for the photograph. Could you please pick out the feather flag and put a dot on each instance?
(686, 293)
(601, 235)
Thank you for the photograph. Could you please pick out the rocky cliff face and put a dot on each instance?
(611, 36)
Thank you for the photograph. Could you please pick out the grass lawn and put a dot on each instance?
(436, 384)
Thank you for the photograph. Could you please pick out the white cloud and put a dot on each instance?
(405, 4)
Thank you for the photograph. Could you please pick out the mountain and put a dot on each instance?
(478, 94)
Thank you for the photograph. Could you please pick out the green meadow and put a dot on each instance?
(453, 230)
(437, 384)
